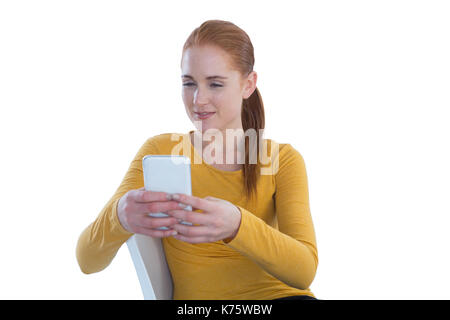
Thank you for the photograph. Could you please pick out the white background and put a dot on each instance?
(359, 88)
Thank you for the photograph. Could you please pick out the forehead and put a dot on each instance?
(205, 61)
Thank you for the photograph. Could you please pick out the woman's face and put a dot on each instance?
(210, 85)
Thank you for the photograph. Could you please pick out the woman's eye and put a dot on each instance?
(188, 84)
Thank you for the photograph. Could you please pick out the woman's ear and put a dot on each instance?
(250, 85)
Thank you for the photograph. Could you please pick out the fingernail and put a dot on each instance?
(174, 233)
(182, 205)
(175, 196)
(169, 196)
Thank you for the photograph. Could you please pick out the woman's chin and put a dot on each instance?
(202, 127)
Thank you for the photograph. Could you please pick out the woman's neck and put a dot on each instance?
(222, 149)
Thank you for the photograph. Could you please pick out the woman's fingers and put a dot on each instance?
(148, 222)
(154, 202)
(142, 195)
(157, 206)
(133, 209)
(194, 202)
(192, 231)
(190, 216)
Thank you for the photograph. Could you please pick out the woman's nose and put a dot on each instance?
(200, 97)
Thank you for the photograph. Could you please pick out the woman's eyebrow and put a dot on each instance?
(207, 78)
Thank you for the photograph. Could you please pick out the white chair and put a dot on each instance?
(151, 267)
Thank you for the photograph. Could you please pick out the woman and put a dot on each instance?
(252, 235)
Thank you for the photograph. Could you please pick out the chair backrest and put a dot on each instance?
(151, 267)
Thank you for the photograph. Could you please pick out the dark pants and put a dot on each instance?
(304, 297)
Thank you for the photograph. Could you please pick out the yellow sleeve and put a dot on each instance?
(99, 242)
(289, 253)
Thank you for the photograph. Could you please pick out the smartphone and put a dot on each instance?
(167, 173)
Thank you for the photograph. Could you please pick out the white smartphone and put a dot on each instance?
(167, 173)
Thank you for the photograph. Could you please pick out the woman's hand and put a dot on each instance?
(135, 205)
(219, 220)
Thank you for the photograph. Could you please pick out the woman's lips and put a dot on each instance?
(203, 116)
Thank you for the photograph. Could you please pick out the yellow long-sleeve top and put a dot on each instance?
(273, 254)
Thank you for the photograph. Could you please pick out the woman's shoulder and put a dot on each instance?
(164, 141)
(283, 156)
(281, 149)
(164, 137)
